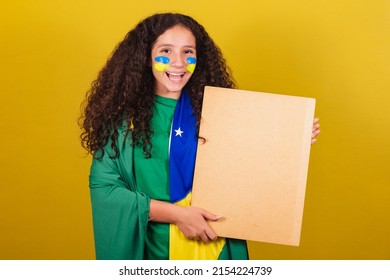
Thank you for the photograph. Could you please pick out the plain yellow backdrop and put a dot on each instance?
(337, 51)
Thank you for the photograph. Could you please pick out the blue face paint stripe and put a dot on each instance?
(191, 60)
(162, 59)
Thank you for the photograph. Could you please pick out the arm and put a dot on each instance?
(120, 213)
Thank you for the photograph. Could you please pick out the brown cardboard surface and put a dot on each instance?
(252, 169)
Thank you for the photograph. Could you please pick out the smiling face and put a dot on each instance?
(173, 59)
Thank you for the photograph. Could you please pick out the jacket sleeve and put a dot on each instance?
(120, 213)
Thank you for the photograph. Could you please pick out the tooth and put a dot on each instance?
(174, 74)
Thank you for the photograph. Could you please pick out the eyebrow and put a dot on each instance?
(170, 45)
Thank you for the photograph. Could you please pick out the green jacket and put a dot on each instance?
(120, 213)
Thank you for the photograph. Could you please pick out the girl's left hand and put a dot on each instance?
(315, 130)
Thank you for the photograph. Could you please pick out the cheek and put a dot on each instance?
(191, 64)
(161, 63)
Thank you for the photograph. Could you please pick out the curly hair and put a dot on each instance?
(124, 88)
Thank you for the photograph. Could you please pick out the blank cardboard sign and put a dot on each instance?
(253, 167)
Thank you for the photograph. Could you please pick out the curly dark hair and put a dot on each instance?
(124, 88)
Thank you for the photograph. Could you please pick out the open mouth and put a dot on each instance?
(175, 76)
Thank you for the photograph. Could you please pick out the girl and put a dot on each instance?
(141, 125)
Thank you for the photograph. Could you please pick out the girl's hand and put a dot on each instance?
(192, 222)
(315, 130)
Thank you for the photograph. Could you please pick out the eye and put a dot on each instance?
(189, 51)
(165, 50)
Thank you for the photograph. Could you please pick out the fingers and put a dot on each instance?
(315, 130)
(313, 136)
(316, 124)
(196, 227)
(210, 234)
(206, 236)
(315, 133)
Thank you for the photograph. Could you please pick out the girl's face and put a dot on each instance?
(173, 61)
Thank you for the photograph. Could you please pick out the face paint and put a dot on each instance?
(191, 64)
(161, 63)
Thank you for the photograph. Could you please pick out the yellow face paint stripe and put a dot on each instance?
(161, 63)
(191, 64)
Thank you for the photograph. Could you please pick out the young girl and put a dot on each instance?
(141, 125)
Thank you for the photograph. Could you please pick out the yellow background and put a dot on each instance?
(333, 50)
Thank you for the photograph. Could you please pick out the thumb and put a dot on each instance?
(211, 217)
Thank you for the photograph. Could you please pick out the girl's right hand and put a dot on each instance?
(192, 222)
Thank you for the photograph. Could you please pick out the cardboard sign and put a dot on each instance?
(252, 169)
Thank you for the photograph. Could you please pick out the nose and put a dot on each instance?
(177, 60)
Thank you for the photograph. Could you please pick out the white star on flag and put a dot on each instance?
(179, 132)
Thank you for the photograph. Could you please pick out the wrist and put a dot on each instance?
(165, 212)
